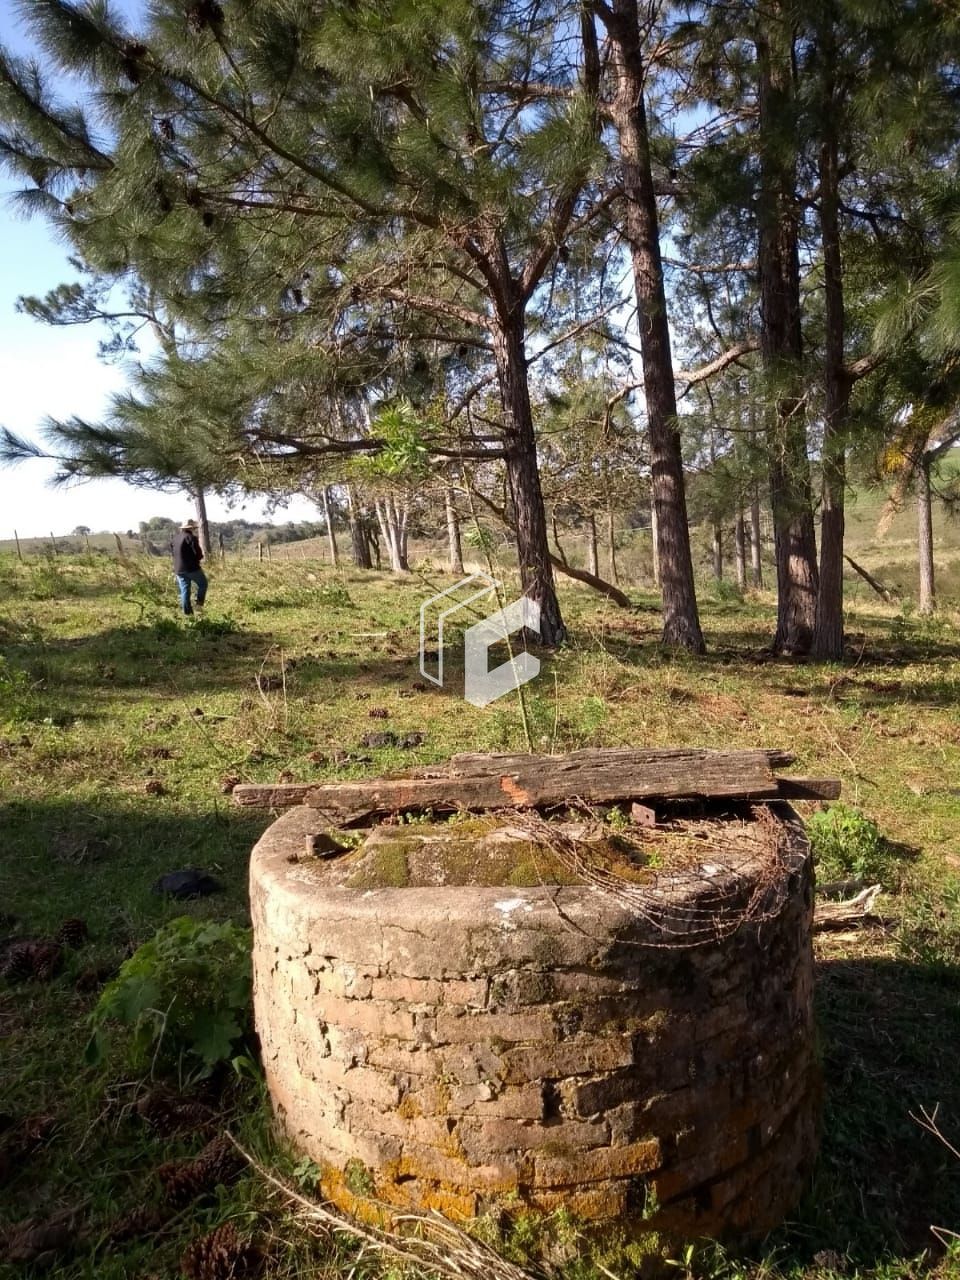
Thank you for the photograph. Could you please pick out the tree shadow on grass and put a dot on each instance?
(99, 860)
(889, 1031)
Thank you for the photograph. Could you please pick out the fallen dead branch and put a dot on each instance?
(928, 1120)
(839, 915)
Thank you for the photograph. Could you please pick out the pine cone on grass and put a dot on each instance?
(184, 1180)
(18, 962)
(168, 1112)
(72, 933)
(31, 959)
(20, 1140)
(144, 1220)
(223, 1254)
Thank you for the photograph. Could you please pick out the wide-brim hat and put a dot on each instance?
(189, 524)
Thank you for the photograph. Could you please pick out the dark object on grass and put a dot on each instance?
(188, 883)
(222, 1254)
(72, 933)
(378, 713)
(410, 740)
(135, 1224)
(94, 977)
(387, 739)
(40, 1240)
(40, 960)
(20, 1140)
(218, 1164)
(168, 1112)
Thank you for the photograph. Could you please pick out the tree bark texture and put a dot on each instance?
(718, 552)
(593, 563)
(828, 632)
(756, 540)
(454, 545)
(928, 593)
(781, 346)
(533, 549)
(203, 531)
(331, 533)
(359, 542)
(740, 549)
(612, 548)
(681, 621)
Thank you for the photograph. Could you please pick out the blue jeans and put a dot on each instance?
(199, 578)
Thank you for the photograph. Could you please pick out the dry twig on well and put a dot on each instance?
(708, 897)
(426, 1239)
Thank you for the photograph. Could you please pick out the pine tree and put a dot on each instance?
(441, 153)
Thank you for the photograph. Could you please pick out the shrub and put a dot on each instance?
(18, 701)
(184, 997)
(846, 842)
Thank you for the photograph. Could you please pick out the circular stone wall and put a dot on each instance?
(468, 1047)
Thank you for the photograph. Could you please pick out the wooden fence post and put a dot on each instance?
(16, 538)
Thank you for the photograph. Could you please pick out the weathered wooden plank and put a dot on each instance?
(598, 776)
(469, 762)
(809, 788)
(284, 795)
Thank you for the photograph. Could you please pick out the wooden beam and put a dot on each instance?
(530, 781)
(809, 788)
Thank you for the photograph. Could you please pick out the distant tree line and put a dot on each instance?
(515, 269)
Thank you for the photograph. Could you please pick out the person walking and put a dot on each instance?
(187, 555)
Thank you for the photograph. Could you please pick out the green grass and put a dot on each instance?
(105, 692)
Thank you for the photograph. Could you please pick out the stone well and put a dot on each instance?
(473, 1046)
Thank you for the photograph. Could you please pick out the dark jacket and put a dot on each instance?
(186, 552)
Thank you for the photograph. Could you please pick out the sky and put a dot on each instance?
(47, 371)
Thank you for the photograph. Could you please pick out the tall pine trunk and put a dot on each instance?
(717, 543)
(523, 473)
(593, 562)
(928, 594)
(781, 345)
(331, 534)
(454, 545)
(359, 541)
(203, 524)
(756, 539)
(740, 549)
(828, 633)
(612, 547)
(681, 621)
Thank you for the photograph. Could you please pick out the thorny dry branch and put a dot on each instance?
(691, 906)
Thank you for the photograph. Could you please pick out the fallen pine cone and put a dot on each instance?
(184, 1180)
(222, 1254)
(168, 1112)
(154, 787)
(144, 1220)
(21, 1140)
(228, 784)
(31, 959)
(40, 1240)
(72, 933)
(94, 977)
(378, 713)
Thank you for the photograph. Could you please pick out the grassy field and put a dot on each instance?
(121, 726)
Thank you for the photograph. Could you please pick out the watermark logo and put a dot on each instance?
(481, 686)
